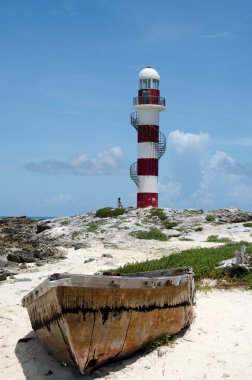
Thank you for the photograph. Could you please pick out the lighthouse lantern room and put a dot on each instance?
(151, 142)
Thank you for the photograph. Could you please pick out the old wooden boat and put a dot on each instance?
(85, 320)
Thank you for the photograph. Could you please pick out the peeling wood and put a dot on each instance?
(85, 324)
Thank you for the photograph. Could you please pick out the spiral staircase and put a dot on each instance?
(149, 133)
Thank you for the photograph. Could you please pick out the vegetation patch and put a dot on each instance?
(159, 212)
(247, 225)
(75, 234)
(109, 212)
(65, 222)
(162, 340)
(203, 261)
(204, 288)
(198, 229)
(210, 218)
(169, 225)
(152, 234)
(217, 239)
(93, 227)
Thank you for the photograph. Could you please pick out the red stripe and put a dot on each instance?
(147, 199)
(148, 92)
(147, 166)
(148, 133)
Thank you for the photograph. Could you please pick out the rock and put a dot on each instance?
(2, 252)
(22, 266)
(89, 260)
(5, 273)
(42, 228)
(14, 257)
(5, 263)
(108, 255)
(80, 245)
(20, 257)
(111, 245)
(172, 233)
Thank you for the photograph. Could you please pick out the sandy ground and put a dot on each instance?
(218, 344)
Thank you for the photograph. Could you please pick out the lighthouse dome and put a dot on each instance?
(149, 73)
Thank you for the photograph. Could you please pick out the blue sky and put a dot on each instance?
(68, 73)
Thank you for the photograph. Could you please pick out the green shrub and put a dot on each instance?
(64, 222)
(92, 227)
(217, 239)
(248, 281)
(159, 212)
(152, 234)
(169, 225)
(198, 229)
(210, 218)
(146, 220)
(109, 212)
(75, 234)
(247, 225)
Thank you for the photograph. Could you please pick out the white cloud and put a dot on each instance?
(202, 177)
(220, 160)
(106, 162)
(182, 141)
(169, 190)
(225, 183)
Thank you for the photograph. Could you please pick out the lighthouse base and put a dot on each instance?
(147, 199)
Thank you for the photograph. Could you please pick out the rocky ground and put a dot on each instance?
(24, 241)
(218, 343)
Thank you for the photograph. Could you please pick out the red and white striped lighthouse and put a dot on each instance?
(151, 142)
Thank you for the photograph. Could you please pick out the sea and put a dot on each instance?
(28, 217)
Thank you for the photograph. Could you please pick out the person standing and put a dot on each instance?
(119, 203)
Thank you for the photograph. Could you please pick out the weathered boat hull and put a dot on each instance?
(85, 321)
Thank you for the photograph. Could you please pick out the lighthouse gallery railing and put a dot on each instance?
(155, 100)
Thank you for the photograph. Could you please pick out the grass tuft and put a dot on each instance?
(75, 234)
(247, 225)
(210, 218)
(169, 225)
(109, 212)
(65, 222)
(152, 234)
(217, 239)
(198, 229)
(159, 212)
(162, 340)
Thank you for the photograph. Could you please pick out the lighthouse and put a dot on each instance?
(151, 143)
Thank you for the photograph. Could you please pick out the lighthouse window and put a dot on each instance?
(143, 83)
(155, 83)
